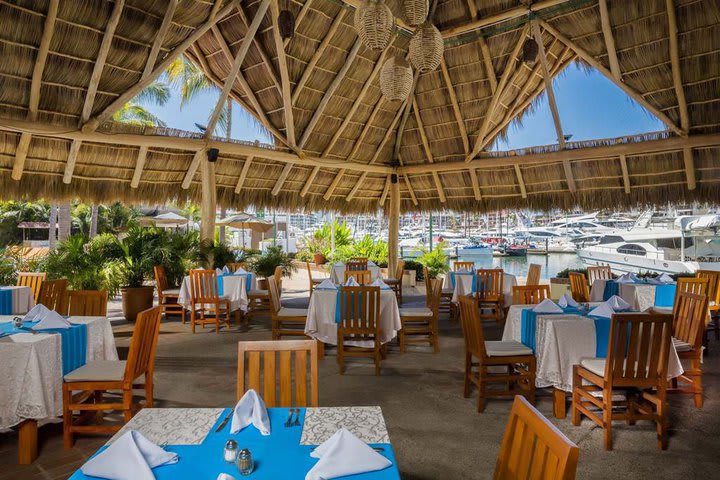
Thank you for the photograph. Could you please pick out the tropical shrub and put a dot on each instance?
(435, 260)
(264, 264)
(417, 266)
(566, 273)
(84, 265)
(367, 247)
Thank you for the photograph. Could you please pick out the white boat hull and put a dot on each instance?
(471, 252)
(621, 263)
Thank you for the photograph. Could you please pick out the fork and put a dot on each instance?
(296, 423)
(288, 423)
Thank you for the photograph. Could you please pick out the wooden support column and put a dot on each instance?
(208, 203)
(243, 174)
(625, 174)
(393, 213)
(689, 168)
(139, 165)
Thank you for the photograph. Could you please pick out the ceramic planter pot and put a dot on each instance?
(136, 300)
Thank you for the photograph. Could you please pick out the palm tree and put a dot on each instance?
(135, 113)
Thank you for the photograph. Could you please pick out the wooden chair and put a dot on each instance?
(602, 272)
(96, 377)
(285, 321)
(313, 281)
(688, 328)
(422, 322)
(446, 295)
(277, 361)
(713, 278)
(167, 297)
(489, 292)
(33, 280)
(532, 447)
(530, 294)
(363, 277)
(357, 264)
(87, 303)
(579, 287)
(396, 281)
(463, 266)
(533, 276)
(204, 300)
(259, 300)
(359, 317)
(516, 358)
(52, 294)
(641, 340)
(235, 266)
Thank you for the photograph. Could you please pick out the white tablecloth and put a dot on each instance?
(31, 369)
(337, 272)
(463, 286)
(233, 288)
(22, 299)
(321, 317)
(640, 296)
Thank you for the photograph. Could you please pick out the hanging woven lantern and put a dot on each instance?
(374, 23)
(396, 78)
(286, 22)
(416, 11)
(426, 47)
(530, 51)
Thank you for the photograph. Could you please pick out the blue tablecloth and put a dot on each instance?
(73, 341)
(473, 288)
(248, 282)
(6, 301)
(528, 329)
(278, 456)
(664, 293)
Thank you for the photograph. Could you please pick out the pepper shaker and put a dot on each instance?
(230, 451)
(245, 462)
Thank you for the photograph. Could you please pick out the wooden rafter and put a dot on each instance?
(536, 71)
(521, 182)
(689, 168)
(160, 37)
(366, 128)
(356, 187)
(405, 116)
(310, 67)
(139, 165)
(455, 105)
(301, 14)
(675, 65)
(284, 75)
(71, 160)
(385, 191)
(261, 50)
(487, 61)
(21, 152)
(330, 92)
(625, 174)
(426, 148)
(609, 40)
(410, 190)
(194, 164)
(475, 184)
(243, 174)
(281, 180)
(94, 122)
(334, 184)
(625, 87)
(309, 181)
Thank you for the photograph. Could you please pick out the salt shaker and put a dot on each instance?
(230, 451)
(245, 462)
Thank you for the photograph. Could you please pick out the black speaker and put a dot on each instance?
(393, 178)
(213, 154)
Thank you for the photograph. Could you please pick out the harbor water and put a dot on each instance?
(551, 263)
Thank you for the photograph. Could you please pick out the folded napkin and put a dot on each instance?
(130, 457)
(344, 454)
(351, 282)
(48, 319)
(250, 409)
(664, 278)
(567, 301)
(626, 278)
(653, 281)
(547, 306)
(218, 272)
(603, 311)
(379, 283)
(225, 476)
(326, 284)
(617, 303)
(240, 271)
(37, 313)
(226, 270)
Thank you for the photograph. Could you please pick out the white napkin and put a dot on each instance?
(240, 271)
(626, 278)
(617, 303)
(225, 476)
(326, 284)
(218, 272)
(130, 457)
(38, 312)
(664, 278)
(547, 306)
(344, 454)
(603, 310)
(250, 409)
(653, 281)
(351, 282)
(567, 301)
(379, 283)
(225, 270)
(48, 319)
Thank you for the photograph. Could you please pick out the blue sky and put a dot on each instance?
(590, 107)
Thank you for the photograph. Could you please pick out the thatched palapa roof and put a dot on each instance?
(67, 66)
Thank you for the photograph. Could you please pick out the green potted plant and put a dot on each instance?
(84, 264)
(435, 260)
(264, 265)
(316, 247)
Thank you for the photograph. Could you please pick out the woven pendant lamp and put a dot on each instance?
(374, 23)
(426, 47)
(396, 78)
(530, 51)
(416, 11)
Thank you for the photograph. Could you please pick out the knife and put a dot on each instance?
(224, 422)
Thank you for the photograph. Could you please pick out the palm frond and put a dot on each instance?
(157, 93)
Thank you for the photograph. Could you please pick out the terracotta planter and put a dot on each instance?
(135, 300)
(262, 284)
(319, 259)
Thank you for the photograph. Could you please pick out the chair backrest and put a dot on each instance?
(472, 327)
(235, 266)
(203, 286)
(532, 447)
(530, 294)
(141, 355)
(433, 296)
(638, 348)
(713, 288)
(361, 276)
(359, 312)
(357, 264)
(689, 317)
(278, 274)
(489, 283)
(459, 266)
(533, 276)
(52, 294)
(161, 281)
(263, 362)
(400, 270)
(274, 293)
(33, 280)
(87, 303)
(428, 286)
(696, 285)
(601, 272)
(579, 287)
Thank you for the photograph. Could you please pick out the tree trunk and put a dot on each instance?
(93, 220)
(52, 230)
(64, 222)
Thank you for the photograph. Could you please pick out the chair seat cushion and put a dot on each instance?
(508, 348)
(318, 281)
(595, 365)
(416, 312)
(391, 281)
(98, 370)
(258, 293)
(292, 312)
(681, 346)
(171, 292)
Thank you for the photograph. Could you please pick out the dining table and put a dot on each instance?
(235, 286)
(16, 300)
(337, 272)
(34, 364)
(198, 436)
(323, 317)
(641, 295)
(463, 283)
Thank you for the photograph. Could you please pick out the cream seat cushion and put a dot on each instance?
(416, 312)
(171, 291)
(681, 346)
(595, 365)
(506, 349)
(110, 370)
(292, 312)
(258, 293)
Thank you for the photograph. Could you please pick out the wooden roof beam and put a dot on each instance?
(521, 182)
(71, 160)
(284, 75)
(281, 180)
(300, 16)
(384, 194)
(625, 174)
(626, 88)
(475, 184)
(410, 190)
(159, 37)
(455, 105)
(366, 127)
(194, 164)
(336, 181)
(261, 50)
(487, 62)
(406, 114)
(139, 165)
(675, 65)
(309, 181)
(330, 92)
(243, 174)
(94, 122)
(426, 148)
(609, 41)
(354, 190)
(689, 167)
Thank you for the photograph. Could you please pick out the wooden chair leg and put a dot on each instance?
(607, 418)
(661, 425)
(577, 383)
(696, 377)
(482, 372)
(182, 315)
(149, 400)
(401, 337)
(378, 359)
(192, 319)
(127, 405)
(67, 417)
(468, 372)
